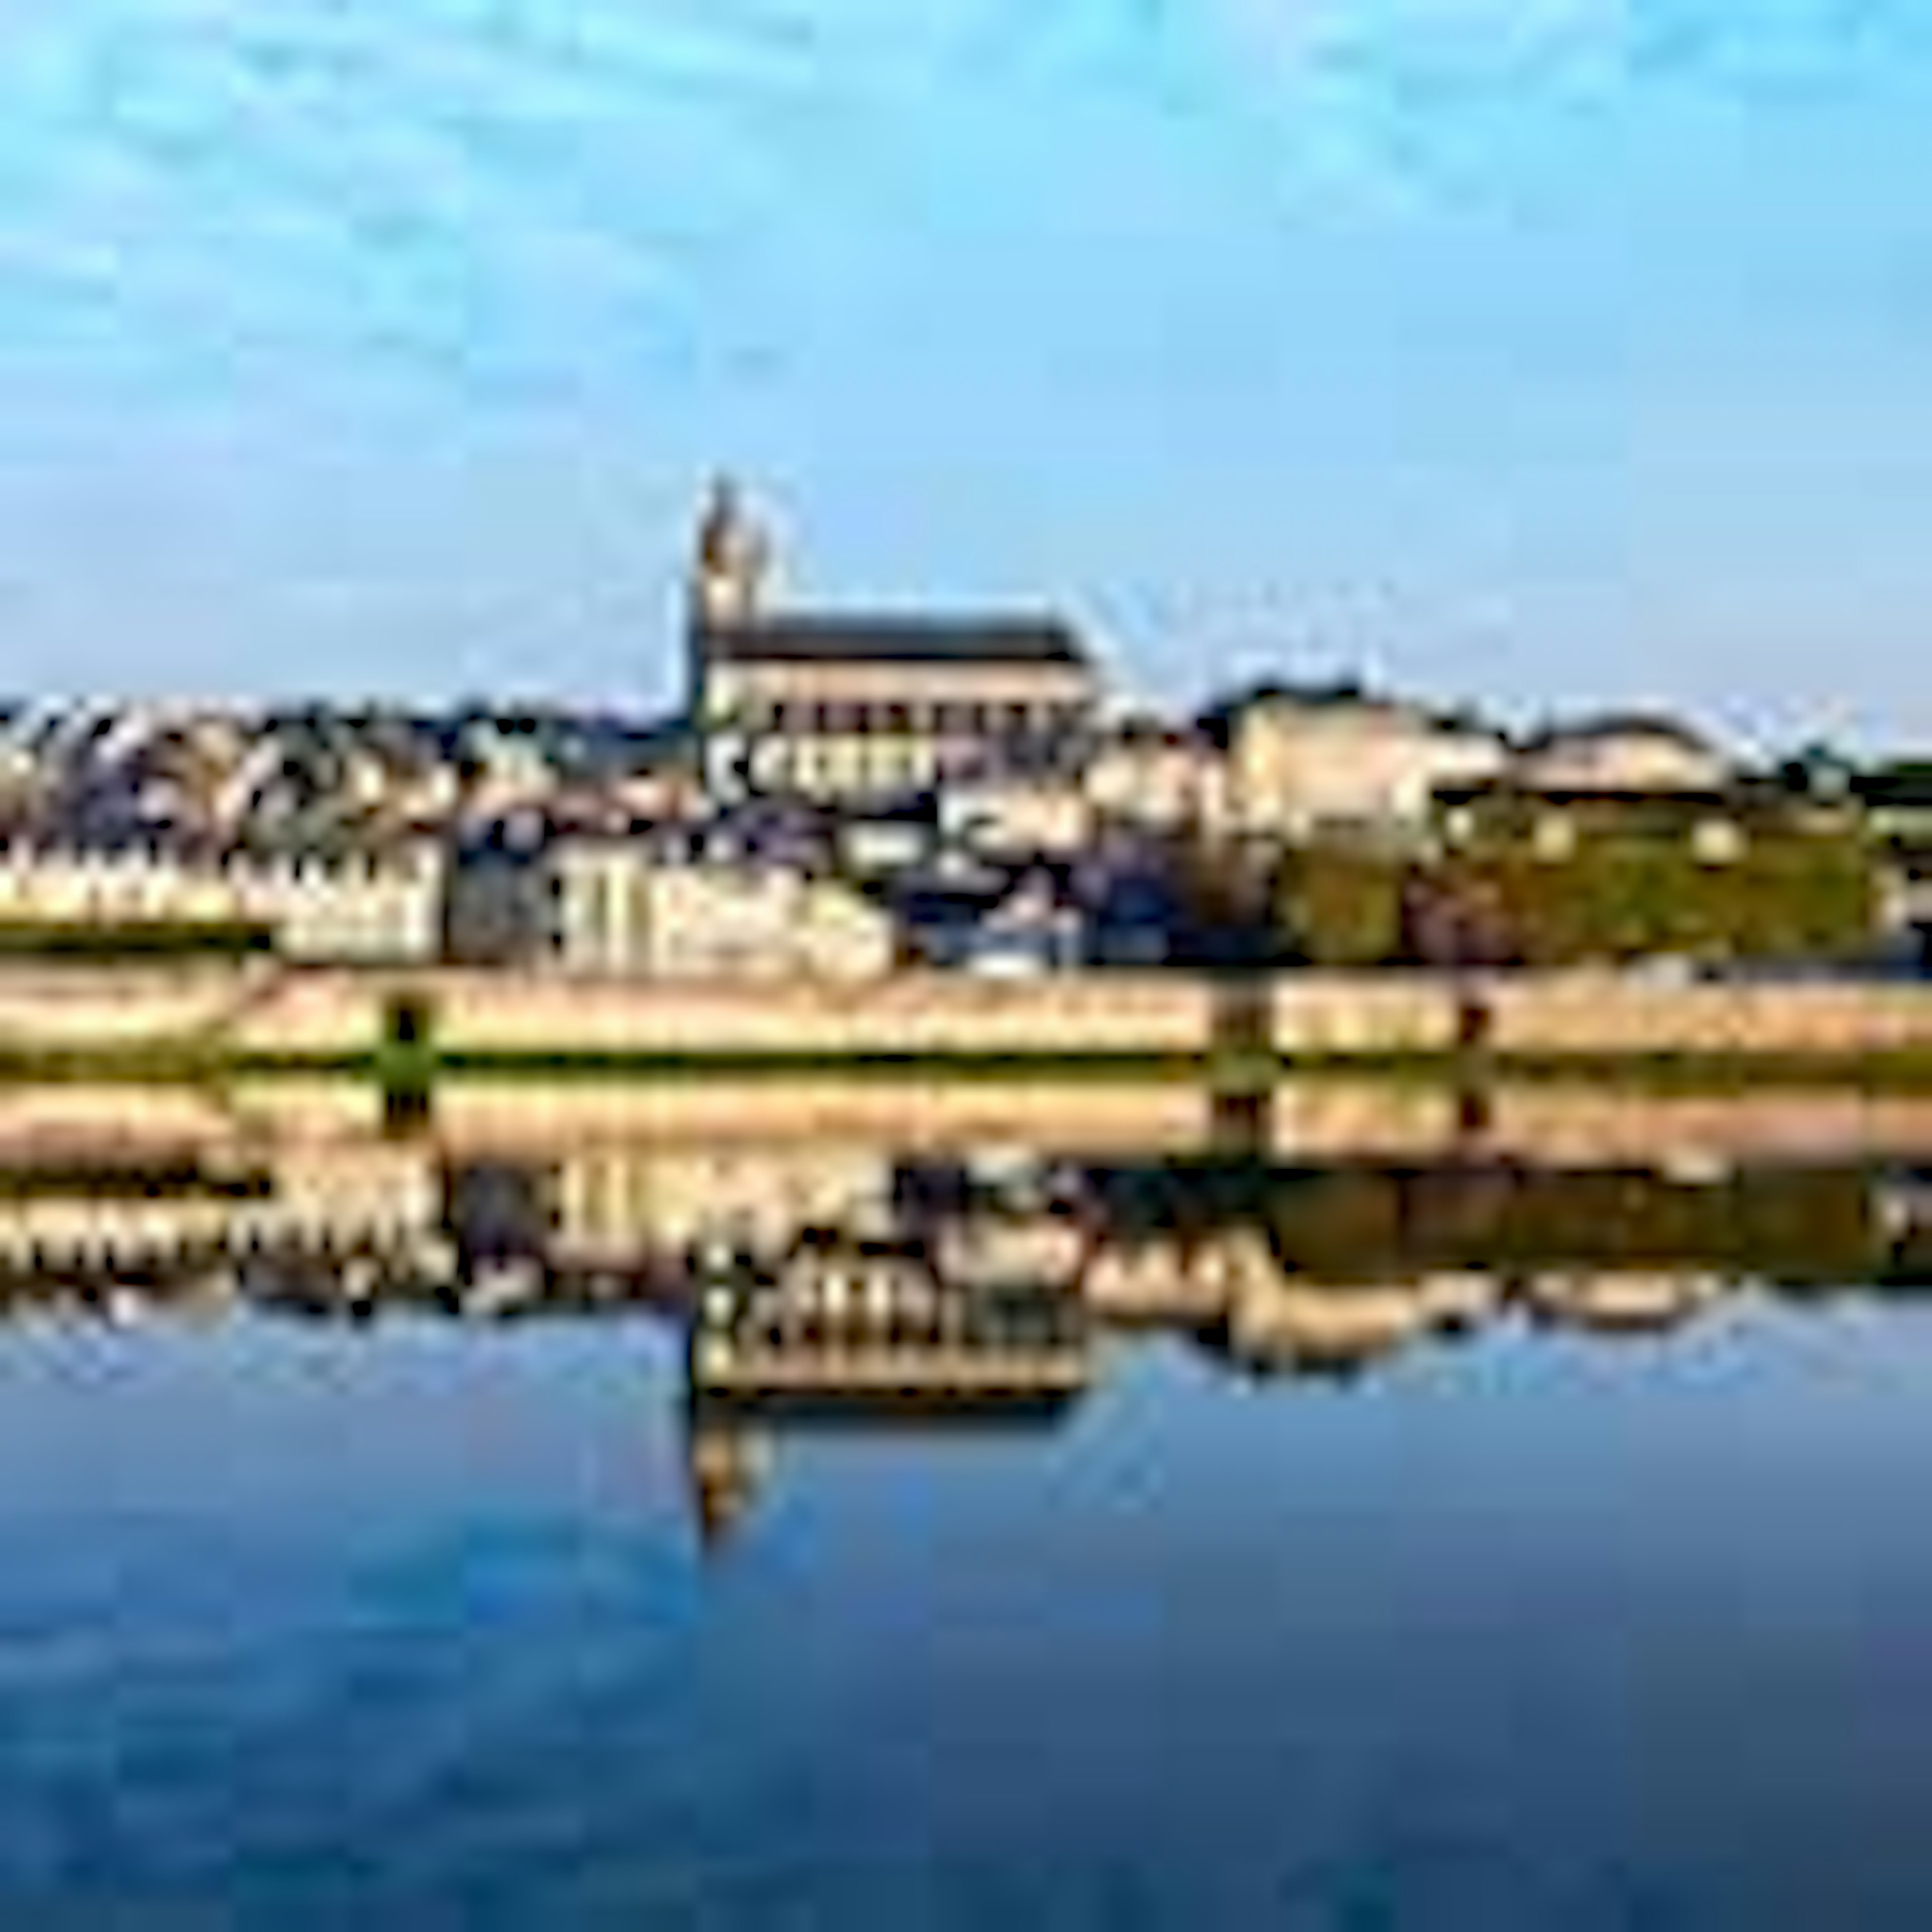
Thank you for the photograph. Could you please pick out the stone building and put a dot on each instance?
(1896, 800)
(1622, 754)
(1302, 761)
(1150, 776)
(616, 1200)
(839, 705)
(1012, 815)
(622, 910)
(854, 1325)
(360, 908)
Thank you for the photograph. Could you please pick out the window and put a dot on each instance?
(1555, 837)
(1718, 842)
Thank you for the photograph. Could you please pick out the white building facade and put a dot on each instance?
(357, 908)
(623, 910)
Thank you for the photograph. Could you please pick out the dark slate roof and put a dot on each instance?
(814, 637)
(1906, 787)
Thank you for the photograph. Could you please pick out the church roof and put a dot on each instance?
(830, 638)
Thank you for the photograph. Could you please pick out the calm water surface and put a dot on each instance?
(412, 1623)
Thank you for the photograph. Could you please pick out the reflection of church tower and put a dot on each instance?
(728, 1462)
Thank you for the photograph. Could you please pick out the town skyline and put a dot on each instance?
(1306, 670)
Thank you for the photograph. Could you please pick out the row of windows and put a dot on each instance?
(929, 721)
(830, 766)
(132, 867)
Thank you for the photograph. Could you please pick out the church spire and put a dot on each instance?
(732, 562)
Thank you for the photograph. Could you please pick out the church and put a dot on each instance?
(842, 707)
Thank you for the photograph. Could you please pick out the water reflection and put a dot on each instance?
(838, 1283)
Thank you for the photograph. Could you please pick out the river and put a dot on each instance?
(854, 1535)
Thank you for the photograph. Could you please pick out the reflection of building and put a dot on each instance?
(731, 1447)
(1232, 1282)
(1296, 1323)
(958, 1310)
(858, 1324)
(1902, 1210)
(838, 706)
(620, 1201)
(159, 1220)
(823, 1285)
(1154, 1285)
(730, 1459)
(998, 1253)
(1625, 1300)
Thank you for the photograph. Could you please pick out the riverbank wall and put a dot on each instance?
(257, 1015)
(330, 1140)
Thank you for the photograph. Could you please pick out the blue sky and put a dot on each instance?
(1560, 351)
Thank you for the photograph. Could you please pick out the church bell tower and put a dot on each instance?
(732, 565)
(730, 568)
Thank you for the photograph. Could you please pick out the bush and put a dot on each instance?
(1366, 1224)
(1338, 907)
(1788, 895)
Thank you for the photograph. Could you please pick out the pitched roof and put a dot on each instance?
(1905, 786)
(1618, 724)
(831, 637)
(1346, 694)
